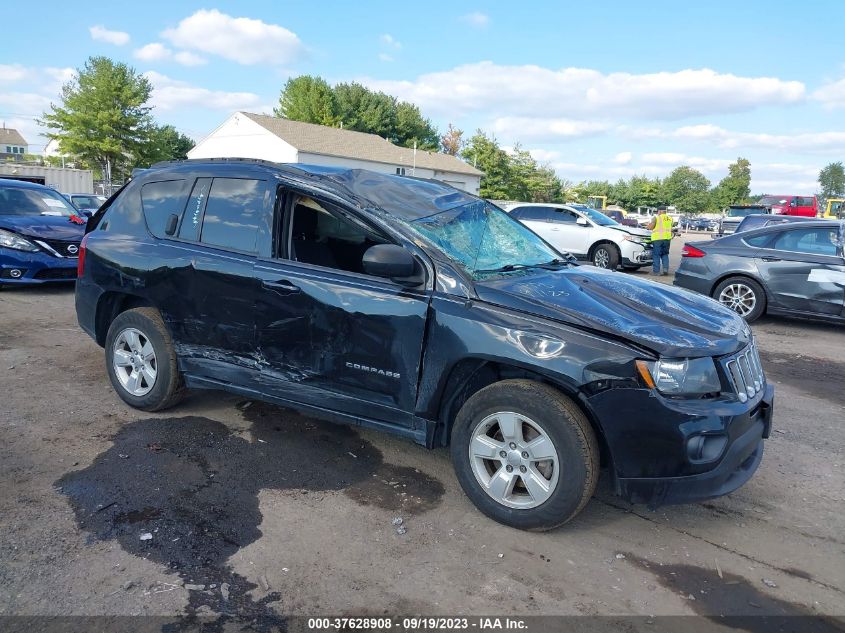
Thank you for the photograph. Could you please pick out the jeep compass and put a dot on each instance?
(408, 306)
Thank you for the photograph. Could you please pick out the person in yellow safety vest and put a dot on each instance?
(661, 237)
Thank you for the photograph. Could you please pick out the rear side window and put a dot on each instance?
(537, 214)
(810, 241)
(160, 200)
(192, 222)
(233, 213)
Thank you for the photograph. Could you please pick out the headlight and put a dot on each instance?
(681, 376)
(10, 240)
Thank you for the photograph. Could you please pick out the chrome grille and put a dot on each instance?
(746, 373)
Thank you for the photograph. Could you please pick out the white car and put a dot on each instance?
(586, 233)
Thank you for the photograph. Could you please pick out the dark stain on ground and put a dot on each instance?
(396, 488)
(817, 377)
(732, 600)
(198, 497)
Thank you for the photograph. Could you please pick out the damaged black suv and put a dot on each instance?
(408, 306)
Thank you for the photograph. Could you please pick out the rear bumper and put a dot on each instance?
(19, 267)
(740, 461)
(693, 281)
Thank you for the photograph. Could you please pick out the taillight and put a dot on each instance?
(80, 263)
(692, 251)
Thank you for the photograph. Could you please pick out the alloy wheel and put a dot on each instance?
(739, 298)
(601, 258)
(134, 362)
(514, 460)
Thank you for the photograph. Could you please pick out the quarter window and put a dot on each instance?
(161, 200)
(233, 213)
(822, 241)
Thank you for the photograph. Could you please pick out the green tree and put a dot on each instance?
(687, 189)
(363, 110)
(412, 128)
(735, 188)
(832, 180)
(308, 99)
(164, 142)
(103, 118)
(484, 153)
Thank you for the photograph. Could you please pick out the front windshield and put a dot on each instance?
(596, 216)
(21, 201)
(88, 203)
(483, 239)
(770, 200)
(741, 213)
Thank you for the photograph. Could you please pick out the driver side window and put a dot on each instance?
(564, 215)
(322, 235)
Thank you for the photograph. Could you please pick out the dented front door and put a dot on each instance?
(338, 340)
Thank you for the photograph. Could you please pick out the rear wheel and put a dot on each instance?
(525, 454)
(141, 361)
(605, 256)
(742, 295)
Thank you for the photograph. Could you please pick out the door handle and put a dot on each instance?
(769, 258)
(282, 285)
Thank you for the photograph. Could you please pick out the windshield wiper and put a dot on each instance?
(511, 267)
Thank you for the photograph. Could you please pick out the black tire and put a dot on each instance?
(168, 386)
(759, 296)
(562, 421)
(605, 256)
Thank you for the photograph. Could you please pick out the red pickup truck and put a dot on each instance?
(792, 205)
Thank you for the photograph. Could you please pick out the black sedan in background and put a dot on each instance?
(794, 269)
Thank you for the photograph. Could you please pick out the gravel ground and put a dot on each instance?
(222, 506)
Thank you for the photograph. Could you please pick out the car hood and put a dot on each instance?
(631, 230)
(669, 321)
(49, 227)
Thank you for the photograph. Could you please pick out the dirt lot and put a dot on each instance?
(257, 512)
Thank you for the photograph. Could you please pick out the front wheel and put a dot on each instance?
(605, 256)
(141, 361)
(742, 295)
(525, 454)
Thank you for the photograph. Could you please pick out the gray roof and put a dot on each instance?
(332, 141)
(8, 136)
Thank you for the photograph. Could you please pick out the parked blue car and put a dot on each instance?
(40, 232)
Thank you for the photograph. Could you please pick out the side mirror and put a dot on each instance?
(392, 262)
(582, 222)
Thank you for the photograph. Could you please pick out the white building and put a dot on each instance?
(246, 135)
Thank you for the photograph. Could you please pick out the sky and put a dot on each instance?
(601, 90)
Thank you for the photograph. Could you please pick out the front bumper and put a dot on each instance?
(650, 451)
(20, 267)
(634, 254)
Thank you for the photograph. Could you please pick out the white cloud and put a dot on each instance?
(805, 142)
(388, 40)
(535, 91)
(118, 38)
(243, 40)
(153, 52)
(831, 95)
(158, 52)
(187, 58)
(172, 94)
(623, 158)
(533, 129)
(476, 19)
(12, 72)
(385, 57)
